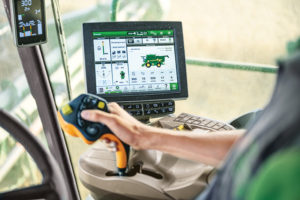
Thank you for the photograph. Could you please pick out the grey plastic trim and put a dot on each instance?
(62, 45)
(34, 68)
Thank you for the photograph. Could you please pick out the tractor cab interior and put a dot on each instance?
(202, 66)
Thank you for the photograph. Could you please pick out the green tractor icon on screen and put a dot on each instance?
(152, 60)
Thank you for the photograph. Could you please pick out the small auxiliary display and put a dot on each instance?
(28, 22)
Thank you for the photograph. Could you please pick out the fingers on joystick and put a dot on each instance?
(110, 145)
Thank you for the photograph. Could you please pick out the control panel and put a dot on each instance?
(149, 109)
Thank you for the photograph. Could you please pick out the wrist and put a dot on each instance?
(148, 137)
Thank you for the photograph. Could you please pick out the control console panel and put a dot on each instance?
(149, 109)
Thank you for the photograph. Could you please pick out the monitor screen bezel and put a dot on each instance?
(90, 79)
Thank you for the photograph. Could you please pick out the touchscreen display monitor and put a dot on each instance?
(135, 60)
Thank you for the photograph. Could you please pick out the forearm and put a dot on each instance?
(209, 148)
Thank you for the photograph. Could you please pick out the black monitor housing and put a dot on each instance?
(134, 62)
(124, 59)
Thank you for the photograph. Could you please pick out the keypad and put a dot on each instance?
(202, 123)
(153, 109)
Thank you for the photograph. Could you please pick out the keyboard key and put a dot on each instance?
(170, 110)
(185, 119)
(189, 121)
(155, 105)
(171, 103)
(178, 119)
(211, 124)
(147, 112)
(156, 111)
(147, 106)
(129, 107)
(196, 122)
(138, 113)
(162, 104)
(131, 112)
(163, 110)
(218, 126)
(135, 113)
(204, 122)
(137, 106)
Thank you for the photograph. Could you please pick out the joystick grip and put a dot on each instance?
(122, 152)
(69, 117)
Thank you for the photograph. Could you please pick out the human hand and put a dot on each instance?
(122, 124)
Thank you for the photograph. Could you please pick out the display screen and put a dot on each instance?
(134, 61)
(30, 21)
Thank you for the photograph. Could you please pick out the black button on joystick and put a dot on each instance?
(81, 122)
(94, 102)
(83, 106)
(92, 130)
(87, 100)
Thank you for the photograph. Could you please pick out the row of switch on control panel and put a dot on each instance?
(159, 111)
(147, 105)
(153, 108)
